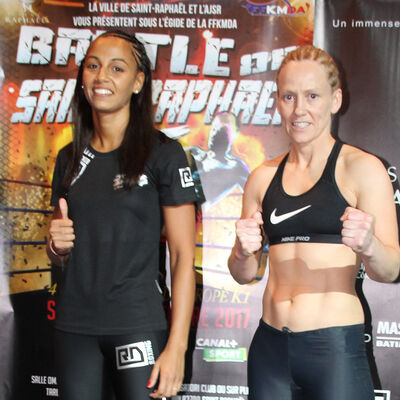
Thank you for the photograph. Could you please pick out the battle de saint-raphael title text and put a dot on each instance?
(252, 99)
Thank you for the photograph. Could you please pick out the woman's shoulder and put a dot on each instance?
(65, 153)
(161, 142)
(358, 161)
(66, 149)
(267, 169)
(260, 178)
(166, 151)
(361, 169)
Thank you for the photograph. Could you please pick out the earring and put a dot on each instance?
(136, 91)
(83, 87)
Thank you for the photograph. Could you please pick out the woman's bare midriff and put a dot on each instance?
(311, 286)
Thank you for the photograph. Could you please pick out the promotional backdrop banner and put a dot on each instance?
(364, 36)
(214, 66)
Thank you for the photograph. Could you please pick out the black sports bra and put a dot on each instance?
(313, 216)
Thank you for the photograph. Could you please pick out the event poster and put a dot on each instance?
(214, 66)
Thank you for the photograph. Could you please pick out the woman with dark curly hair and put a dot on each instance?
(115, 187)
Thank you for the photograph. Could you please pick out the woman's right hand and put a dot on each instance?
(61, 230)
(249, 234)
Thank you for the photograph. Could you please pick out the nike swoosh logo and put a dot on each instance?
(276, 219)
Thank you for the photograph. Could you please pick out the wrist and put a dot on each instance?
(369, 251)
(177, 340)
(54, 251)
(242, 254)
(176, 346)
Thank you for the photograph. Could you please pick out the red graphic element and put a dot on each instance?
(51, 308)
(221, 317)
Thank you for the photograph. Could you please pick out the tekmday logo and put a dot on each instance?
(275, 7)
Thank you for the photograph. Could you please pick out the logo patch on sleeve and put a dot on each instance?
(134, 355)
(186, 177)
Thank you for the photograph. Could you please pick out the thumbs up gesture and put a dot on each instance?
(61, 230)
(249, 234)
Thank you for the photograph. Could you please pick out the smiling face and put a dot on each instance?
(306, 100)
(110, 75)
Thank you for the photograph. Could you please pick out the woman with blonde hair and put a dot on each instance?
(323, 208)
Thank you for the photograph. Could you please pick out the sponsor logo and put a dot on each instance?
(225, 355)
(388, 334)
(295, 239)
(367, 337)
(118, 182)
(143, 180)
(275, 8)
(392, 171)
(134, 355)
(28, 13)
(186, 177)
(208, 342)
(361, 272)
(277, 219)
(382, 394)
(85, 161)
(223, 350)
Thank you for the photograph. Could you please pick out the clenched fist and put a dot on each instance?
(358, 230)
(249, 234)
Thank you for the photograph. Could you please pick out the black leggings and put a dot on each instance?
(321, 364)
(88, 365)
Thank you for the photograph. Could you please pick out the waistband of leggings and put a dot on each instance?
(356, 328)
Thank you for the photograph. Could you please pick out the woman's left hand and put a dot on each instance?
(169, 370)
(358, 230)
